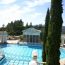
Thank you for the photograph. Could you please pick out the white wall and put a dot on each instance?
(3, 37)
(62, 39)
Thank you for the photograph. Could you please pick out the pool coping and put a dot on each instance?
(12, 41)
(62, 61)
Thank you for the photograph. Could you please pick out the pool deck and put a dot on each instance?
(12, 41)
(62, 61)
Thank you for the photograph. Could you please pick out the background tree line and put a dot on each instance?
(16, 27)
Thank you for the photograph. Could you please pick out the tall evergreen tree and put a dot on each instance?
(45, 34)
(10, 28)
(15, 28)
(54, 33)
(27, 24)
(30, 24)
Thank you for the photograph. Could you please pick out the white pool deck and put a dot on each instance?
(12, 41)
(62, 61)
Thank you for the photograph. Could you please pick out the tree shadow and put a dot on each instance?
(3, 45)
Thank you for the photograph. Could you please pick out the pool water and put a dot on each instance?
(22, 54)
(62, 53)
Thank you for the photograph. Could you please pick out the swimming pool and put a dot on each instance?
(22, 54)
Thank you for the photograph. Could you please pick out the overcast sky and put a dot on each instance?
(28, 10)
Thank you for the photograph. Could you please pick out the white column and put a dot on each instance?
(62, 41)
(29, 38)
(26, 38)
(32, 38)
(38, 38)
(35, 38)
(23, 38)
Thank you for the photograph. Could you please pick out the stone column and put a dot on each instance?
(32, 38)
(23, 38)
(38, 38)
(26, 38)
(35, 38)
(29, 38)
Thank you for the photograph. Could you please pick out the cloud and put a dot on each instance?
(7, 1)
(33, 3)
(10, 14)
(27, 10)
(13, 12)
(35, 18)
(27, 13)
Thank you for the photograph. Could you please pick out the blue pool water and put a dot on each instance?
(22, 54)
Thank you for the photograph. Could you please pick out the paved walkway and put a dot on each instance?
(12, 41)
(62, 61)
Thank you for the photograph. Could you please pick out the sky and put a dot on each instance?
(28, 10)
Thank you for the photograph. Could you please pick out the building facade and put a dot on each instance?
(3, 36)
(62, 39)
(31, 35)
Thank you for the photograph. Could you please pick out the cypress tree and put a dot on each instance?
(54, 33)
(45, 35)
